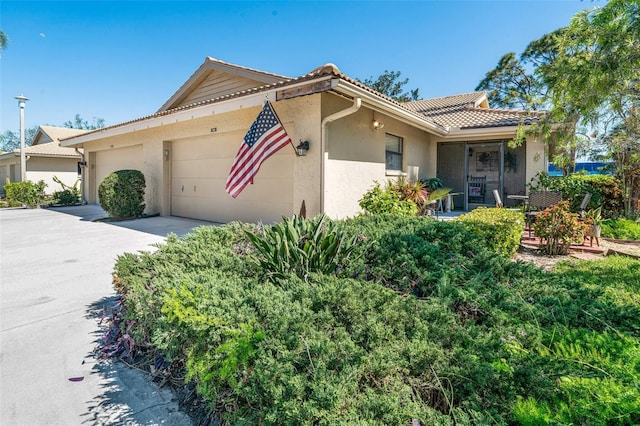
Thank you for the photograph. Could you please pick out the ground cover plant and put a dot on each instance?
(622, 229)
(422, 324)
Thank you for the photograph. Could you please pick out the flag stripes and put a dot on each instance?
(265, 137)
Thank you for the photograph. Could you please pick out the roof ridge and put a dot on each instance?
(516, 111)
(219, 61)
(478, 93)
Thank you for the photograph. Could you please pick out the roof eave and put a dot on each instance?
(217, 107)
(483, 131)
(398, 112)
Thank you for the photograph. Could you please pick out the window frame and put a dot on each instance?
(387, 152)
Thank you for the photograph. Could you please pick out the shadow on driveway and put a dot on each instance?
(156, 225)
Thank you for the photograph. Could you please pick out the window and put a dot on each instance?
(393, 152)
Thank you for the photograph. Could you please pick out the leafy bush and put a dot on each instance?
(301, 246)
(69, 195)
(557, 229)
(605, 191)
(621, 229)
(488, 340)
(500, 229)
(121, 193)
(28, 193)
(378, 200)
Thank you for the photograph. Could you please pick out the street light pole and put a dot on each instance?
(23, 160)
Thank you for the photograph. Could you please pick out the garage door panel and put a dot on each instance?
(112, 160)
(199, 172)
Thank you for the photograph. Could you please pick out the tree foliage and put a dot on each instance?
(595, 77)
(587, 75)
(79, 123)
(11, 140)
(509, 85)
(389, 84)
(4, 40)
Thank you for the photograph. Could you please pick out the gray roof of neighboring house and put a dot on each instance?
(470, 111)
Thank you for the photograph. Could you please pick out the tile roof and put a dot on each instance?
(470, 111)
(50, 148)
(56, 133)
(451, 111)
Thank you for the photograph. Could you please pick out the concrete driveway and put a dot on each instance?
(55, 277)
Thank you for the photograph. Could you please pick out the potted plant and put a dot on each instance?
(593, 220)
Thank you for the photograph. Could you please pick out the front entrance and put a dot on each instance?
(474, 169)
(484, 165)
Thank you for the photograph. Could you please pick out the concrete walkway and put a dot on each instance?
(55, 278)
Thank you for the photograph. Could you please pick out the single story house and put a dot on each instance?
(356, 136)
(45, 158)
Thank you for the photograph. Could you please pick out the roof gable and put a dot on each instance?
(48, 134)
(214, 79)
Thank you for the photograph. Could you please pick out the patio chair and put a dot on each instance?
(477, 189)
(583, 205)
(538, 201)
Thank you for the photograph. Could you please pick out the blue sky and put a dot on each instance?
(123, 60)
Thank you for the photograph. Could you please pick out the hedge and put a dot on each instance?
(121, 194)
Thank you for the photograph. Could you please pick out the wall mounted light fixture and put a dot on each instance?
(377, 125)
(166, 155)
(302, 148)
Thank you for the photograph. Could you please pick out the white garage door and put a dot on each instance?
(107, 162)
(199, 169)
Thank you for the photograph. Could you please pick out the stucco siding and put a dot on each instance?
(356, 155)
(347, 182)
(198, 153)
(109, 161)
(5, 173)
(42, 168)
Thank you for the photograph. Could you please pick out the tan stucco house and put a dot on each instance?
(187, 147)
(45, 158)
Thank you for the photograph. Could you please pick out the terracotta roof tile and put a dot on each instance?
(450, 111)
(464, 112)
(51, 148)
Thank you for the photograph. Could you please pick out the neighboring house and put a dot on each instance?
(45, 158)
(186, 148)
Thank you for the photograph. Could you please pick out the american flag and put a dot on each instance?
(264, 138)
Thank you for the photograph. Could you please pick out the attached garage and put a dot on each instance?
(199, 170)
(103, 163)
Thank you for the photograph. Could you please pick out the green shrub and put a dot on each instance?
(378, 201)
(489, 340)
(69, 195)
(605, 191)
(121, 194)
(301, 246)
(28, 193)
(621, 229)
(557, 229)
(500, 229)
